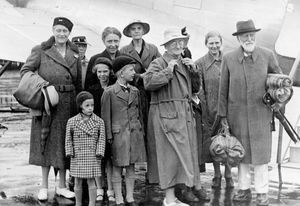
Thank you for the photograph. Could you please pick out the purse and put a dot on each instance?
(226, 149)
(29, 93)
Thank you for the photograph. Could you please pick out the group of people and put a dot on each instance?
(135, 105)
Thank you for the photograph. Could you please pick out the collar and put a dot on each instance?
(241, 54)
(168, 57)
(122, 85)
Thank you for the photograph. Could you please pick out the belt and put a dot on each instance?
(64, 88)
(187, 99)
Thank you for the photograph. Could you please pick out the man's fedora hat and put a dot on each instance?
(244, 27)
(171, 34)
(51, 98)
(145, 25)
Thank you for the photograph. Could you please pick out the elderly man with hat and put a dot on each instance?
(81, 43)
(171, 122)
(56, 61)
(240, 107)
(120, 110)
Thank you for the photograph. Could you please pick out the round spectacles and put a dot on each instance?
(179, 42)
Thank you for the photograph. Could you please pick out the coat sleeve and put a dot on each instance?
(106, 113)
(223, 90)
(273, 66)
(90, 78)
(101, 140)
(33, 61)
(69, 140)
(157, 76)
(78, 81)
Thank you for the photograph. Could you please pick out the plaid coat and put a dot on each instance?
(85, 141)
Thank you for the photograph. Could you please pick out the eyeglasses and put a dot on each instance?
(179, 42)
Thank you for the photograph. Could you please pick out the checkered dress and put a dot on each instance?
(85, 140)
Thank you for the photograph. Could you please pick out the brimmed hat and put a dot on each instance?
(51, 98)
(79, 40)
(145, 25)
(244, 27)
(171, 34)
(81, 97)
(102, 60)
(122, 61)
(63, 21)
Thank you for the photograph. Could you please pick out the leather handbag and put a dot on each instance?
(29, 93)
(226, 149)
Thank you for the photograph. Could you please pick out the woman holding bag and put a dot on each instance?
(56, 61)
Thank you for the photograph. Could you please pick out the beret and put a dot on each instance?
(122, 61)
(82, 96)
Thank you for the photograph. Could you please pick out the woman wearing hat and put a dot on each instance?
(103, 69)
(56, 61)
(171, 120)
(111, 37)
(143, 53)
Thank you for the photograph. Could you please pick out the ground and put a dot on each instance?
(19, 181)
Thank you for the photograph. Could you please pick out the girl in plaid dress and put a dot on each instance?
(85, 144)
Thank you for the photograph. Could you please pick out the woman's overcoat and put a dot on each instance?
(210, 72)
(172, 124)
(84, 141)
(242, 87)
(121, 113)
(64, 74)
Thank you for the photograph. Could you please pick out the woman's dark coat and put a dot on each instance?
(65, 75)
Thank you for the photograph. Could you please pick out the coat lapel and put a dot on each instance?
(119, 92)
(132, 95)
(53, 54)
(133, 53)
(180, 69)
(86, 127)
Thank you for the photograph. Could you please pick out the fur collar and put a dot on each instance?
(50, 42)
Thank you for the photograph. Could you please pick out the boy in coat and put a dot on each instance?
(120, 110)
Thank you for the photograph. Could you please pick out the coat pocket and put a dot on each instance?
(115, 129)
(167, 110)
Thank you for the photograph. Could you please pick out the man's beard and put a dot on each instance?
(248, 47)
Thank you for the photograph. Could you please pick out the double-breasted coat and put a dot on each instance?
(65, 74)
(210, 71)
(121, 113)
(242, 87)
(84, 143)
(172, 124)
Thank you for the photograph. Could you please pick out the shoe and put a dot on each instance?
(43, 194)
(202, 194)
(121, 204)
(175, 203)
(262, 199)
(229, 183)
(242, 196)
(99, 195)
(132, 203)
(111, 198)
(65, 193)
(188, 196)
(216, 182)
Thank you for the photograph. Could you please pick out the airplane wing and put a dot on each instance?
(287, 44)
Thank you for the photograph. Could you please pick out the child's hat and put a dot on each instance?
(122, 61)
(82, 96)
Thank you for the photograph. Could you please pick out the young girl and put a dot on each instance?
(85, 144)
